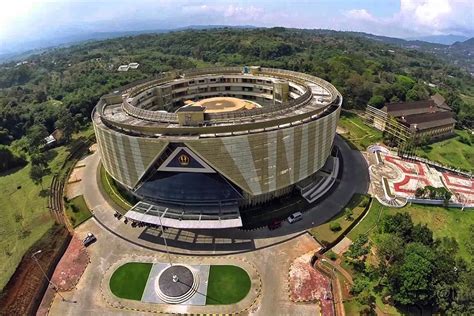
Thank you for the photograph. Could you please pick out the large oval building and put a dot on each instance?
(194, 146)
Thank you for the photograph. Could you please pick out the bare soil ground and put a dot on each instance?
(72, 265)
(25, 288)
(306, 284)
(67, 273)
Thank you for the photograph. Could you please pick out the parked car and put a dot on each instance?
(90, 238)
(274, 224)
(295, 217)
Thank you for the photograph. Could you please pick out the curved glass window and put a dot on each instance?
(188, 187)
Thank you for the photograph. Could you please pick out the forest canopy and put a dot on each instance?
(69, 81)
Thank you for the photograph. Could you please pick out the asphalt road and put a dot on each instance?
(354, 179)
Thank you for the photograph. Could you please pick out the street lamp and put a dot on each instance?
(175, 276)
(164, 238)
(44, 273)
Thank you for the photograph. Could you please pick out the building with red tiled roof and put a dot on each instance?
(430, 118)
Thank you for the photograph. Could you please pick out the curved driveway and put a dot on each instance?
(355, 179)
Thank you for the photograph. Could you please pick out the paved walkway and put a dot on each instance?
(270, 264)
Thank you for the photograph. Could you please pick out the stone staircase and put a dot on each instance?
(395, 202)
(322, 185)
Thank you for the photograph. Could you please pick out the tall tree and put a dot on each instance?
(66, 124)
(35, 137)
(36, 174)
(412, 282)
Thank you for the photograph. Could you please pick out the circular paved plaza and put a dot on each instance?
(175, 281)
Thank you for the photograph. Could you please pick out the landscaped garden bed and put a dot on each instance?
(77, 211)
(227, 285)
(130, 279)
(329, 232)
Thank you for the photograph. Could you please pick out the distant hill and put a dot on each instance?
(468, 44)
(440, 39)
(24, 49)
(459, 53)
(364, 68)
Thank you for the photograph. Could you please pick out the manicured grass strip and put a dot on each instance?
(326, 235)
(77, 210)
(129, 280)
(108, 185)
(227, 285)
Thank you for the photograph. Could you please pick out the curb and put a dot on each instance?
(121, 303)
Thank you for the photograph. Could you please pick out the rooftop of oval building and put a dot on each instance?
(173, 103)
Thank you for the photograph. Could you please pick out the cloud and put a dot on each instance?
(419, 17)
(360, 14)
(26, 20)
(235, 12)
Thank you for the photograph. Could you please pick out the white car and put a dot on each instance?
(90, 239)
(295, 217)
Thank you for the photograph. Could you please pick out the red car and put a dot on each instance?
(274, 224)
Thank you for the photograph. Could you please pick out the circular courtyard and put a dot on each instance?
(225, 104)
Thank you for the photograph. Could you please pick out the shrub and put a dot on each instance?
(9, 160)
(360, 284)
(24, 233)
(348, 212)
(18, 218)
(74, 208)
(420, 192)
(335, 227)
(331, 255)
(364, 202)
(377, 101)
(466, 139)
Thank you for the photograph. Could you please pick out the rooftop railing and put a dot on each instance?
(283, 112)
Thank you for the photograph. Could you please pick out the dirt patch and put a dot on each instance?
(67, 273)
(71, 266)
(308, 284)
(23, 292)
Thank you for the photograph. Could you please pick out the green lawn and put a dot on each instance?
(325, 235)
(443, 222)
(129, 280)
(369, 222)
(358, 135)
(24, 216)
(450, 152)
(77, 210)
(227, 285)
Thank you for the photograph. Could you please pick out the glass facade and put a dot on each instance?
(188, 188)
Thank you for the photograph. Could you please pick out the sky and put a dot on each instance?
(29, 20)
